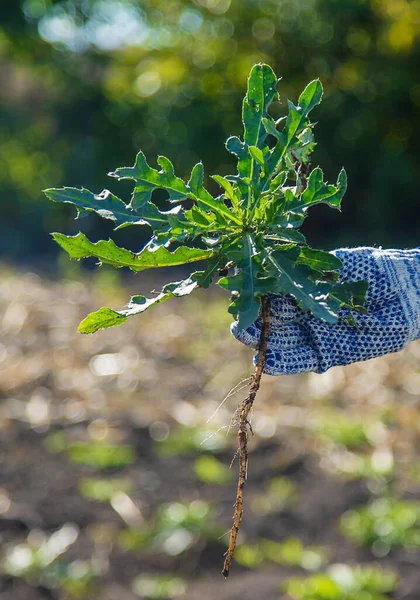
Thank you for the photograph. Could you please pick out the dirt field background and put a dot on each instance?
(114, 484)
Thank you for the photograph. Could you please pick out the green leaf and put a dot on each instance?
(351, 294)
(205, 278)
(306, 147)
(285, 235)
(200, 217)
(278, 181)
(108, 252)
(206, 201)
(318, 191)
(106, 317)
(270, 127)
(196, 188)
(139, 304)
(231, 193)
(291, 279)
(101, 319)
(311, 96)
(226, 185)
(297, 118)
(105, 204)
(320, 260)
(257, 155)
(296, 123)
(262, 90)
(246, 282)
(236, 147)
(148, 179)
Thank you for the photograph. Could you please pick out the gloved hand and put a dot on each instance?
(299, 342)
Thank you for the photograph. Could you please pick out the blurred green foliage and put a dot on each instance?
(86, 83)
(210, 470)
(175, 528)
(291, 553)
(37, 561)
(103, 490)
(343, 582)
(337, 427)
(384, 524)
(190, 440)
(280, 492)
(94, 454)
(98, 455)
(159, 587)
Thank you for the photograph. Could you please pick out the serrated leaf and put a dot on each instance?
(319, 259)
(271, 209)
(290, 279)
(297, 118)
(291, 220)
(303, 152)
(206, 201)
(262, 90)
(106, 317)
(200, 217)
(196, 188)
(236, 147)
(148, 179)
(105, 204)
(101, 319)
(311, 96)
(318, 191)
(138, 304)
(205, 278)
(108, 252)
(278, 181)
(296, 123)
(285, 235)
(246, 282)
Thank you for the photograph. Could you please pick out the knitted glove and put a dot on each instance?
(299, 342)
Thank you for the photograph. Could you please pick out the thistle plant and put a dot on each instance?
(248, 235)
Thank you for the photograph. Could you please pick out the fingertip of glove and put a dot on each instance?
(249, 336)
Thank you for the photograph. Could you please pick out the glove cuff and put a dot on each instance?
(402, 270)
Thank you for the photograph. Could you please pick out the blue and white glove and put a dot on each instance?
(299, 342)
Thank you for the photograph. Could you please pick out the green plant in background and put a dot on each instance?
(94, 454)
(342, 582)
(103, 490)
(190, 440)
(384, 524)
(159, 587)
(280, 492)
(249, 235)
(175, 528)
(340, 428)
(291, 553)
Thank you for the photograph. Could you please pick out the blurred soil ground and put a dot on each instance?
(106, 489)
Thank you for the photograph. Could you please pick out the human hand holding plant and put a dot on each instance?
(251, 230)
(299, 342)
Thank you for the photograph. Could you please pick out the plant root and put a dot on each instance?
(243, 425)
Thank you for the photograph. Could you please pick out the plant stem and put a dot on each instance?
(242, 451)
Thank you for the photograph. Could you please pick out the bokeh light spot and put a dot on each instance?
(147, 84)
